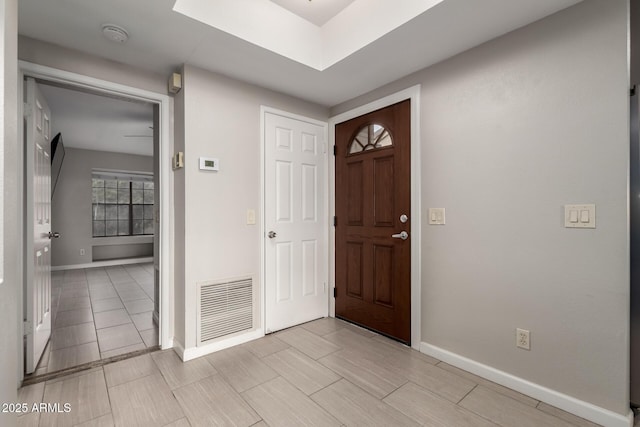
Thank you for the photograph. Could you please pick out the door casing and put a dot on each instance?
(412, 93)
(37, 71)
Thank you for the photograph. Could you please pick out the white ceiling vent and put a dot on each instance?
(224, 308)
(115, 33)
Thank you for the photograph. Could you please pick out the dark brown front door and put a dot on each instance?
(373, 192)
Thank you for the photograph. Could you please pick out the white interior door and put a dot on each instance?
(38, 225)
(295, 221)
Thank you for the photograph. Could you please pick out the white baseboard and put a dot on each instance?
(194, 352)
(108, 263)
(570, 404)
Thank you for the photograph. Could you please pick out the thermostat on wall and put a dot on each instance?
(209, 164)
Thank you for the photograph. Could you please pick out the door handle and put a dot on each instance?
(272, 234)
(402, 235)
(54, 235)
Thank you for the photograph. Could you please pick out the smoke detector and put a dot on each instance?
(115, 33)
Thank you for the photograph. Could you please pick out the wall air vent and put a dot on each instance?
(224, 307)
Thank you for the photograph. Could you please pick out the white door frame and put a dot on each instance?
(412, 93)
(166, 194)
(263, 111)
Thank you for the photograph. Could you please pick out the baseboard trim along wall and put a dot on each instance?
(570, 404)
(223, 343)
(108, 263)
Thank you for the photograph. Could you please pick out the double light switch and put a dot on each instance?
(580, 216)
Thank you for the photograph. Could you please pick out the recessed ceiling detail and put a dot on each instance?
(317, 12)
(270, 26)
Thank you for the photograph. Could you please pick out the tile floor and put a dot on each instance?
(99, 313)
(323, 373)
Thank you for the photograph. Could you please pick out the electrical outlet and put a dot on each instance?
(81, 252)
(523, 339)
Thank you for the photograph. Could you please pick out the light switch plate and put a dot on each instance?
(436, 216)
(251, 217)
(580, 216)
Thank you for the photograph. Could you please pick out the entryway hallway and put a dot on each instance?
(323, 373)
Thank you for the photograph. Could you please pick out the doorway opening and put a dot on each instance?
(109, 206)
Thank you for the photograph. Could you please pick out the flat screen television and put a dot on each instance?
(57, 156)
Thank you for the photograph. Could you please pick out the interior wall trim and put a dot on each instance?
(552, 397)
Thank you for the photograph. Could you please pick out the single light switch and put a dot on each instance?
(573, 216)
(584, 216)
(436, 216)
(580, 216)
(251, 217)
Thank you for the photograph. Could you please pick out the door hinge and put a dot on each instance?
(632, 91)
(335, 150)
(335, 221)
(335, 292)
(27, 328)
(26, 110)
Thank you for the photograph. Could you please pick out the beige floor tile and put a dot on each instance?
(506, 411)
(307, 342)
(103, 421)
(29, 420)
(139, 306)
(144, 402)
(31, 394)
(73, 317)
(99, 293)
(131, 293)
(212, 402)
(429, 409)
(150, 337)
(281, 404)
(129, 370)
(74, 292)
(241, 368)
(182, 422)
(573, 419)
(402, 350)
(368, 375)
(265, 346)
(86, 394)
(355, 407)
(488, 384)
(347, 339)
(106, 319)
(118, 336)
(300, 370)
(66, 304)
(178, 373)
(122, 350)
(74, 335)
(75, 375)
(260, 424)
(107, 304)
(324, 326)
(143, 321)
(450, 386)
(73, 356)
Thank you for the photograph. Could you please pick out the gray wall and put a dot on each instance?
(71, 205)
(511, 131)
(220, 118)
(11, 289)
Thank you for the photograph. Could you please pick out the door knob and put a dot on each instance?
(272, 234)
(402, 235)
(54, 235)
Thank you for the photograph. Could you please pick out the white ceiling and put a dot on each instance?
(162, 39)
(317, 12)
(96, 122)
